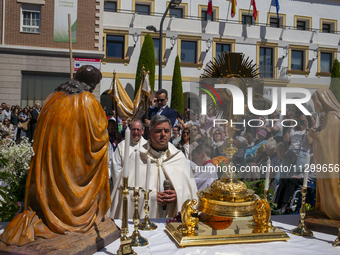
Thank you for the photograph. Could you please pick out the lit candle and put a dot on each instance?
(266, 185)
(126, 152)
(148, 169)
(137, 168)
(305, 174)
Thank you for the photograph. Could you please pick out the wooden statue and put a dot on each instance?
(327, 151)
(67, 187)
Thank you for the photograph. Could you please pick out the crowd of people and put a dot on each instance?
(17, 122)
(200, 141)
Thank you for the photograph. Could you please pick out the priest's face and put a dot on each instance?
(136, 131)
(160, 136)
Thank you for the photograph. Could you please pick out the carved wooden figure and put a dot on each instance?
(67, 188)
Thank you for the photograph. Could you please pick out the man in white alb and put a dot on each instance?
(167, 163)
(136, 141)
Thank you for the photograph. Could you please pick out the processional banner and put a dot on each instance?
(61, 10)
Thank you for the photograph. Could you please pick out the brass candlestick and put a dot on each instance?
(125, 242)
(302, 230)
(137, 239)
(146, 224)
(265, 194)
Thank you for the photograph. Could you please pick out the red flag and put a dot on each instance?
(254, 9)
(233, 8)
(210, 8)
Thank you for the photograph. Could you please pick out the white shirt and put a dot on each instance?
(7, 114)
(161, 110)
(297, 142)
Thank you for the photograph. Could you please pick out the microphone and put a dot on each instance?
(166, 186)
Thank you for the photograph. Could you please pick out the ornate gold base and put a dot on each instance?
(240, 231)
(138, 240)
(301, 230)
(147, 225)
(125, 248)
(337, 241)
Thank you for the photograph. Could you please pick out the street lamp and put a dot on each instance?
(316, 53)
(172, 3)
(208, 43)
(285, 52)
(172, 41)
(135, 39)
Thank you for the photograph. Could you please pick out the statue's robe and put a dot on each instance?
(67, 184)
(327, 151)
(171, 165)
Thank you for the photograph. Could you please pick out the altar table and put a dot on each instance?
(161, 244)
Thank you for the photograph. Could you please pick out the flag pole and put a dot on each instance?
(145, 105)
(111, 93)
(249, 8)
(115, 102)
(70, 39)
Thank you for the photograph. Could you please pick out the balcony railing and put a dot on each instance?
(270, 72)
(316, 30)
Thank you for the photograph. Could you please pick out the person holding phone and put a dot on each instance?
(300, 140)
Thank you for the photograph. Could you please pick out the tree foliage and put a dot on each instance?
(335, 81)
(177, 89)
(146, 59)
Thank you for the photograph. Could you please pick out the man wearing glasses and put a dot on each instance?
(162, 108)
(136, 141)
(167, 163)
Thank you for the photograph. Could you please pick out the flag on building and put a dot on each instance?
(277, 9)
(254, 9)
(210, 8)
(233, 8)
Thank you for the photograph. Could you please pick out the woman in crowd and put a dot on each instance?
(300, 140)
(15, 121)
(183, 144)
(217, 144)
(196, 135)
(7, 127)
(207, 121)
(191, 119)
(276, 129)
(196, 119)
(24, 116)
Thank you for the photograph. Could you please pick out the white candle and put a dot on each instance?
(126, 152)
(266, 185)
(305, 174)
(137, 168)
(148, 169)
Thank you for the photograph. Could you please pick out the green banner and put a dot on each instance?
(61, 10)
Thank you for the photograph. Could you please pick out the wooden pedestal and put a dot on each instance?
(75, 243)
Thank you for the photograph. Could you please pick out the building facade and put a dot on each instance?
(295, 49)
(34, 60)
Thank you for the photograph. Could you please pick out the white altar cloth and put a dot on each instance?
(161, 244)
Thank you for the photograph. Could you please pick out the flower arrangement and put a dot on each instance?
(219, 160)
(14, 165)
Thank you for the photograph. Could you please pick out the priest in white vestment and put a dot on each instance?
(136, 141)
(167, 163)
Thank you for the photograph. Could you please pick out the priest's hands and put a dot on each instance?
(167, 197)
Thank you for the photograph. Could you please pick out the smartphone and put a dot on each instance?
(300, 122)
